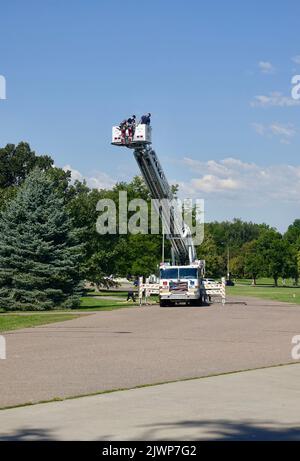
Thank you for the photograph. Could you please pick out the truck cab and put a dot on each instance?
(180, 284)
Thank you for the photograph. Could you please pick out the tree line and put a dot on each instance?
(49, 244)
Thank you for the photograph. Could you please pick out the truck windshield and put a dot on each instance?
(188, 273)
(169, 274)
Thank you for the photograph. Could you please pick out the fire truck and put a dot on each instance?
(182, 280)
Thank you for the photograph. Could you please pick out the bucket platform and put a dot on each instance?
(141, 137)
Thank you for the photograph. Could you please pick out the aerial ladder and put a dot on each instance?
(181, 281)
(183, 249)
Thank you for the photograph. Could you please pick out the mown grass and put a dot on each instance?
(94, 304)
(267, 281)
(121, 294)
(15, 321)
(88, 303)
(287, 294)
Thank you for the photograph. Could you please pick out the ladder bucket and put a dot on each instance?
(142, 136)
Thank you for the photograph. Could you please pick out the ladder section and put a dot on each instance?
(178, 232)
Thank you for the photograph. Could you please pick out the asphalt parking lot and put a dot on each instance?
(137, 346)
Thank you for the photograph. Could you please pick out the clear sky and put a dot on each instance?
(215, 75)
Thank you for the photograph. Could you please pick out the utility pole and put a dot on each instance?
(228, 263)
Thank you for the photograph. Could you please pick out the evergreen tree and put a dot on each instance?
(39, 252)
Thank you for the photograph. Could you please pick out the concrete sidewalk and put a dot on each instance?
(134, 346)
(255, 405)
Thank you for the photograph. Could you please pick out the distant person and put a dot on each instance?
(131, 295)
(123, 127)
(146, 119)
(131, 123)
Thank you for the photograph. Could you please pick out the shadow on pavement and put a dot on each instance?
(227, 430)
(27, 434)
(208, 430)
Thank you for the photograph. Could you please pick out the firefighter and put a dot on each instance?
(146, 119)
(131, 122)
(123, 127)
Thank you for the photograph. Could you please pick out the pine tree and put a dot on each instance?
(39, 252)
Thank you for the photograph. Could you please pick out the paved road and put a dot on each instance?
(129, 347)
(253, 405)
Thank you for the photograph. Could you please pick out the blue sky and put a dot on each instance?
(215, 75)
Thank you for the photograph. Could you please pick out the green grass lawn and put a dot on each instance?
(89, 303)
(285, 294)
(16, 321)
(266, 281)
(11, 321)
(92, 303)
(121, 294)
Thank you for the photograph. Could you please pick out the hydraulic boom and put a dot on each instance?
(178, 231)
